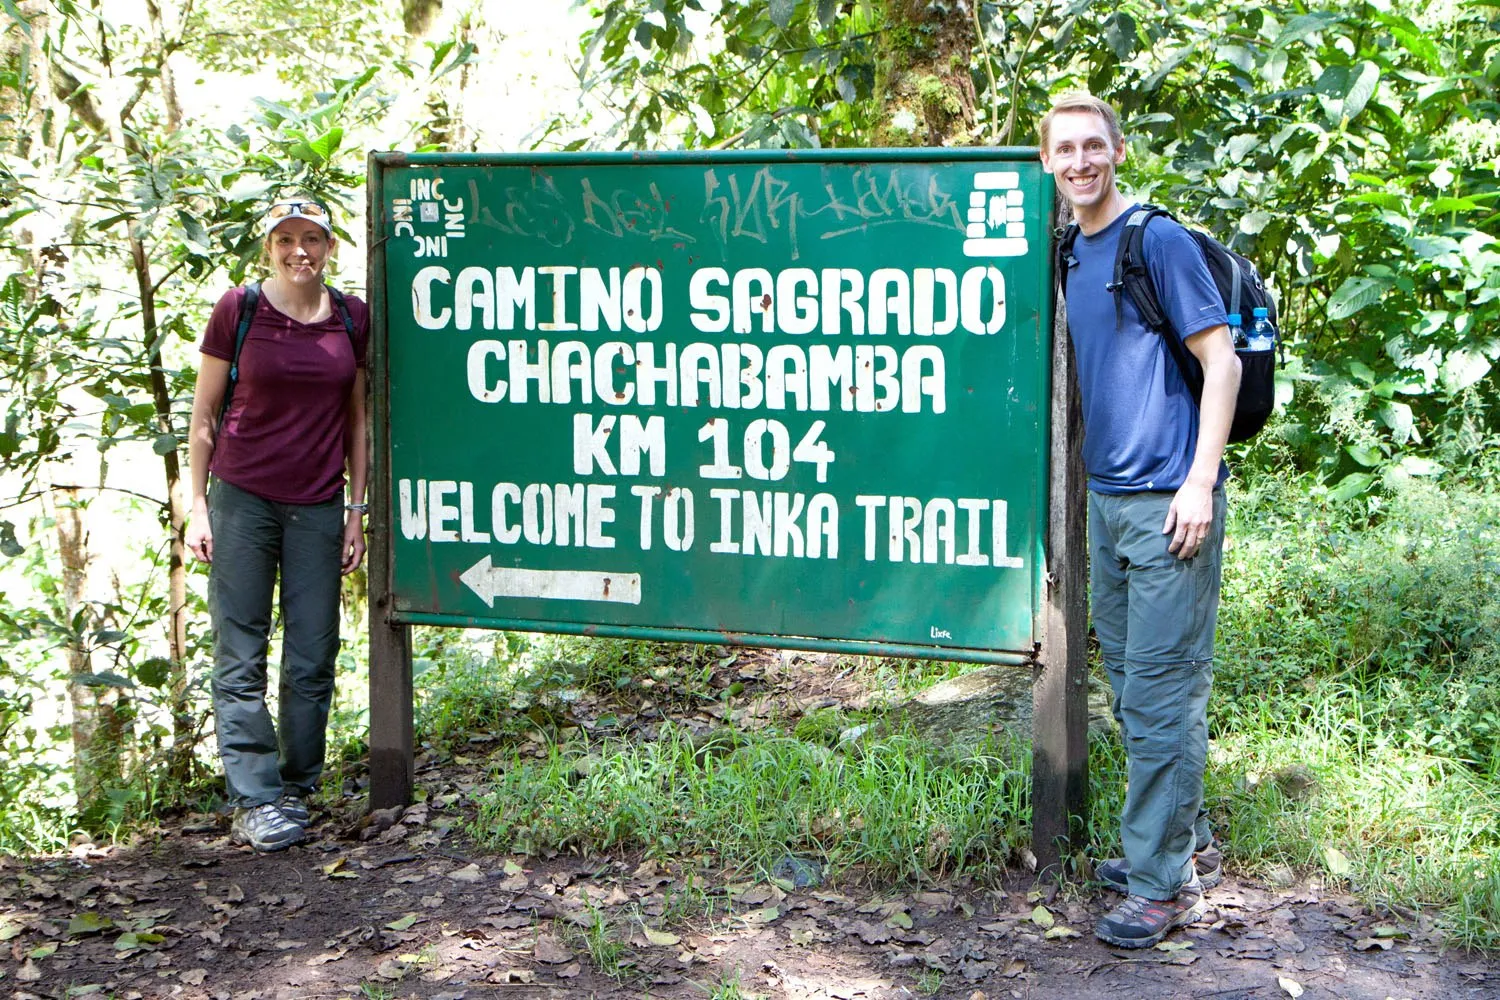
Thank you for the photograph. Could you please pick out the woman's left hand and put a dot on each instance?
(354, 541)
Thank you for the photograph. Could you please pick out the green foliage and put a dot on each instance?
(1396, 605)
(784, 74)
(1355, 704)
(464, 688)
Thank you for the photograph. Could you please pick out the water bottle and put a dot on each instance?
(1236, 331)
(1262, 333)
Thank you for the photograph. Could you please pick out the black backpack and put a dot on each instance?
(1239, 284)
(248, 304)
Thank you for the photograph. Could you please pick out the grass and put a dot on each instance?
(1356, 723)
(607, 952)
(895, 805)
(727, 988)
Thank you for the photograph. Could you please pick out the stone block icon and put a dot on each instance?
(997, 216)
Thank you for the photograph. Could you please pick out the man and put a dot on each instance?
(1156, 516)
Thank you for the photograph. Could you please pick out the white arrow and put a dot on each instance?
(490, 581)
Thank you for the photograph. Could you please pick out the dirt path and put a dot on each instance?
(415, 911)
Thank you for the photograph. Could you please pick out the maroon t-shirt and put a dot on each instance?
(284, 436)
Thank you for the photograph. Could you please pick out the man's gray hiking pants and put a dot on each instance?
(1154, 615)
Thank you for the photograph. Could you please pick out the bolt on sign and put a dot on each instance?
(794, 399)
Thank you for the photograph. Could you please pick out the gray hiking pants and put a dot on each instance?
(253, 539)
(1154, 615)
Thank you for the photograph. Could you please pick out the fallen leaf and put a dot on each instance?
(28, 973)
(1042, 917)
(328, 956)
(1013, 968)
(761, 916)
(43, 951)
(391, 969)
(1186, 958)
(194, 977)
(662, 939)
(551, 951)
(569, 971)
(335, 865)
(511, 868)
(88, 922)
(1366, 944)
(1387, 931)
(1174, 945)
(1290, 986)
(9, 930)
(1060, 931)
(1338, 865)
(401, 923)
(137, 940)
(900, 919)
(468, 873)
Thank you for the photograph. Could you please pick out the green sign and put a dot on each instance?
(795, 399)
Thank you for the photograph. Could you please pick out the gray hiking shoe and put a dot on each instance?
(1208, 864)
(265, 828)
(1139, 922)
(294, 808)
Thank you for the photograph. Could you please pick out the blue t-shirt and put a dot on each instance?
(1140, 421)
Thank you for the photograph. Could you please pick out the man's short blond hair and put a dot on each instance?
(1076, 101)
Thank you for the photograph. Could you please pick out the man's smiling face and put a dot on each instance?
(1082, 159)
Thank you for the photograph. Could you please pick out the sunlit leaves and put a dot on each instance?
(1354, 295)
(1365, 78)
(755, 73)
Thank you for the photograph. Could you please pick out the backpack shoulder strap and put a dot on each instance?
(1133, 274)
(1131, 271)
(1066, 237)
(341, 306)
(249, 302)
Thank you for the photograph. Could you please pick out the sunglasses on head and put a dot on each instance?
(307, 209)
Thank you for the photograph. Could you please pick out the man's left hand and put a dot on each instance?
(1189, 519)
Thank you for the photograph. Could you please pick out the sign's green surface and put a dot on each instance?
(794, 396)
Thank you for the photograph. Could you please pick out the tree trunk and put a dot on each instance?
(183, 730)
(925, 61)
(101, 714)
(164, 51)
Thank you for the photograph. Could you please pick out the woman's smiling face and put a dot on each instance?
(299, 251)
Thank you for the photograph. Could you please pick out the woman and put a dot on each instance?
(278, 453)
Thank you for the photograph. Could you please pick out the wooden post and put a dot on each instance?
(391, 731)
(1059, 744)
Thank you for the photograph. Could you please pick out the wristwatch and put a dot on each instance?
(363, 508)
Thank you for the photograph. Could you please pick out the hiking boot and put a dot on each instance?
(1208, 864)
(265, 828)
(294, 808)
(1140, 922)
